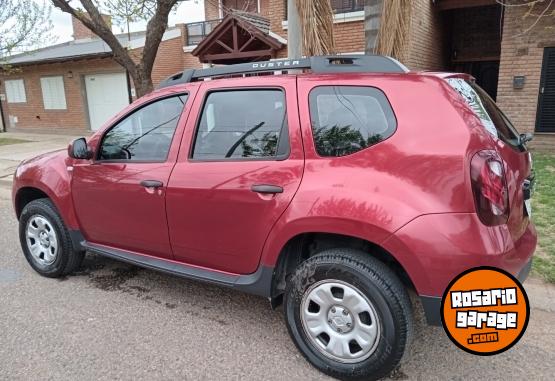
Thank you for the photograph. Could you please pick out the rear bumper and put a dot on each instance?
(432, 304)
(435, 248)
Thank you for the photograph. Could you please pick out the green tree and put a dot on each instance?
(125, 12)
(24, 25)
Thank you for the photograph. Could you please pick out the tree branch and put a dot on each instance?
(155, 31)
(98, 26)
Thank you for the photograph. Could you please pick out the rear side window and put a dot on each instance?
(347, 119)
(242, 124)
(493, 119)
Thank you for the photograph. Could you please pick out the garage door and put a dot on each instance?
(106, 96)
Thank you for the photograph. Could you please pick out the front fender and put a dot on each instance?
(51, 174)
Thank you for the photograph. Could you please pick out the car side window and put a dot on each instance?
(348, 119)
(146, 134)
(242, 124)
(492, 118)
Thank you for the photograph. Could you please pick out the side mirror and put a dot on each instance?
(79, 149)
(525, 138)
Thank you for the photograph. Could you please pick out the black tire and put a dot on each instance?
(67, 259)
(381, 288)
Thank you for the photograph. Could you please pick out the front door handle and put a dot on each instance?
(152, 184)
(266, 189)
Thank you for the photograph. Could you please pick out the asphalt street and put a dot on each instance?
(115, 321)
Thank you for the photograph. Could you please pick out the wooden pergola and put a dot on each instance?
(238, 38)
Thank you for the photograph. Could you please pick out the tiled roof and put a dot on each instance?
(85, 48)
(255, 19)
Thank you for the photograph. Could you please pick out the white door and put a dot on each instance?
(106, 96)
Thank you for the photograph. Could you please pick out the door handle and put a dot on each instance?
(152, 184)
(266, 189)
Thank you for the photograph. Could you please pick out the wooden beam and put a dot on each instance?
(445, 5)
(224, 45)
(235, 37)
(246, 44)
(231, 56)
(476, 59)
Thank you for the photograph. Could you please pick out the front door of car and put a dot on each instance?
(240, 164)
(119, 196)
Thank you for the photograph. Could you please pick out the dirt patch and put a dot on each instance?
(115, 280)
(7, 141)
(109, 275)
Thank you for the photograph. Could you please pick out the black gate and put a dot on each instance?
(545, 121)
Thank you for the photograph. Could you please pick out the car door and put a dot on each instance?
(240, 165)
(119, 196)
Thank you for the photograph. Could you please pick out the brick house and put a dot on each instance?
(76, 86)
(512, 61)
(509, 50)
(493, 43)
(348, 24)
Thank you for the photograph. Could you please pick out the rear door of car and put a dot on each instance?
(240, 165)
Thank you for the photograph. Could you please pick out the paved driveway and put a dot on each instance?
(115, 321)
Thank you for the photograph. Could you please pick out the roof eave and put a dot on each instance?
(61, 59)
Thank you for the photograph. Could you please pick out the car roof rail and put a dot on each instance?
(356, 63)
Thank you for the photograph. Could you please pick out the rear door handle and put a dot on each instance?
(152, 184)
(266, 189)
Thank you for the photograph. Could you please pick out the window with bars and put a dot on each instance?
(346, 6)
(197, 31)
(341, 6)
(241, 5)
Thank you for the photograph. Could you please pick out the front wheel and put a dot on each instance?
(348, 314)
(45, 240)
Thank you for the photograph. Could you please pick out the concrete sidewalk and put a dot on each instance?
(12, 154)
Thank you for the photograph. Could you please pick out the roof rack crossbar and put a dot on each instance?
(320, 64)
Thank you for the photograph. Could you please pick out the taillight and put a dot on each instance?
(490, 188)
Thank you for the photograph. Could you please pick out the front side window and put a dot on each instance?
(242, 124)
(492, 118)
(146, 134)
(347, 119)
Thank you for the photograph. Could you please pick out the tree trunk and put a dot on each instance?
(140, 70)
(142, 82)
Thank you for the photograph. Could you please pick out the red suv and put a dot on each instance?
(335, 190)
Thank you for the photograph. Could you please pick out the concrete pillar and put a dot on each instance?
(372, 16)
(294, 32)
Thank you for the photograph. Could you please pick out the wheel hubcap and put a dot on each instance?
(42, 241)
(340, 321)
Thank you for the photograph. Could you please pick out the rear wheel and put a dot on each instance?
(45, 240)
(348, 314)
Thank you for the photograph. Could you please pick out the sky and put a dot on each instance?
(188, 11)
